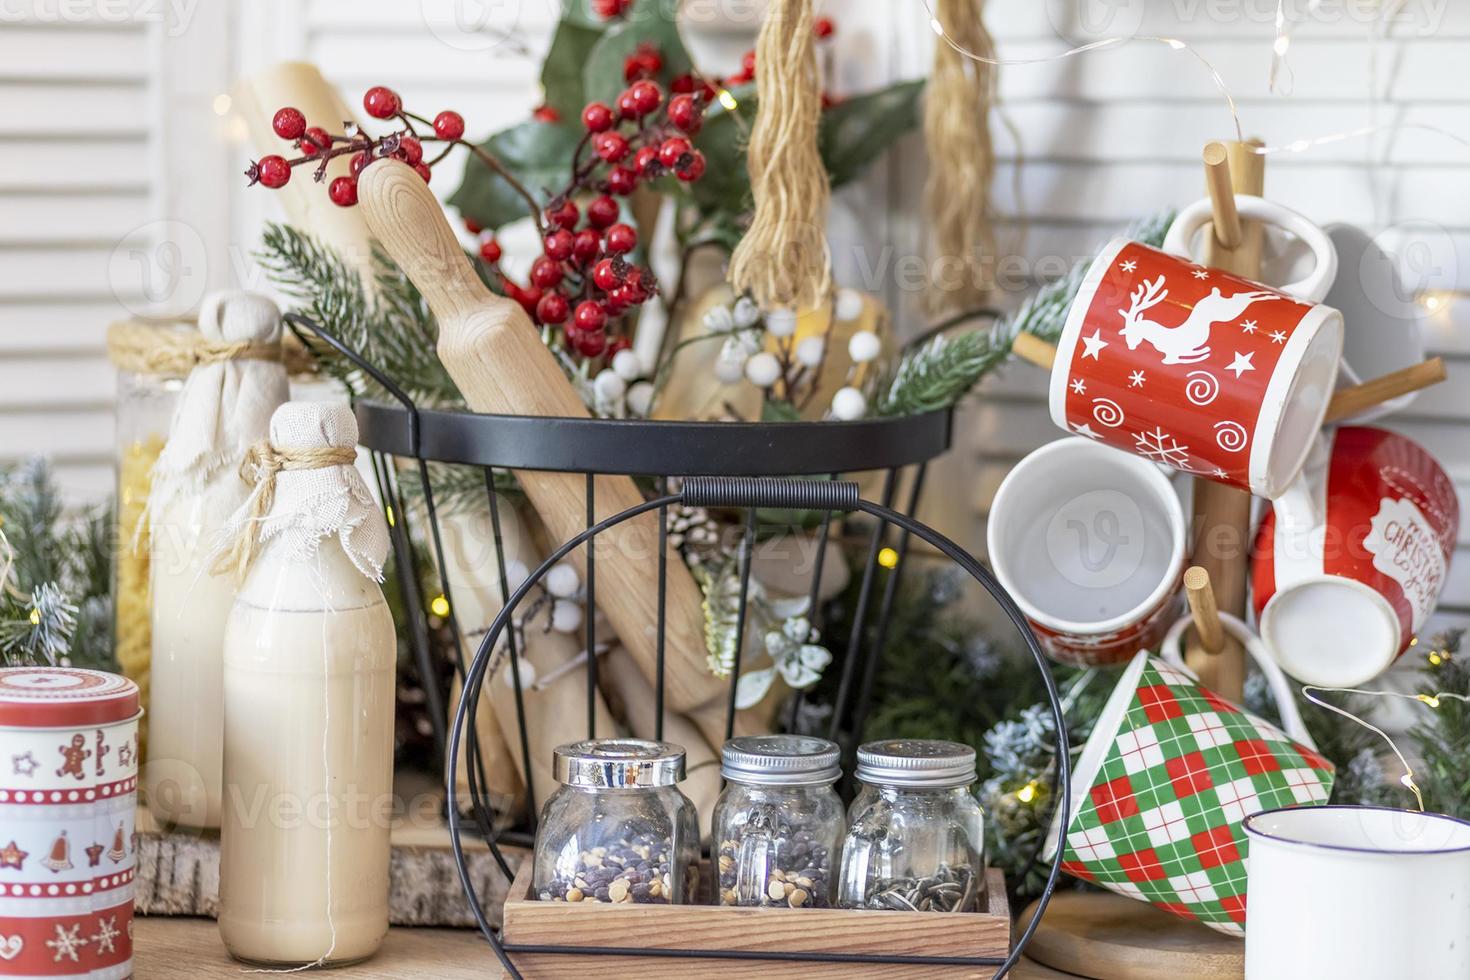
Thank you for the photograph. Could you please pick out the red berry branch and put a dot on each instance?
(582, 282)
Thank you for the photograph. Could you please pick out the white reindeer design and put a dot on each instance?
(1188, 342)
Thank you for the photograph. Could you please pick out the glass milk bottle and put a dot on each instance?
(224, 408)
(308, 708)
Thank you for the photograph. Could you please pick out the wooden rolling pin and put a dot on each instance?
(496, 358)
(299, 84)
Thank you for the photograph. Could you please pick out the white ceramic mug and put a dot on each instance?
(1090, 543)
(1311, 288)
(1383, 320)
(1357, 893)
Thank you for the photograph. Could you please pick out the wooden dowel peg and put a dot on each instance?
(1350, 401)
(1203, 610)
(1227, 227)
(1030, 347)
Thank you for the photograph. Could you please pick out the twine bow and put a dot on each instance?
(260, 467)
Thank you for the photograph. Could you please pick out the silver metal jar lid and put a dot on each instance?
(916, 763)
(619, 763)
(781, 760)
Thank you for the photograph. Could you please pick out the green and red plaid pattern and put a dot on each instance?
(1162, 822)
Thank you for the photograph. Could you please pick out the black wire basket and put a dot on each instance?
(753, 467)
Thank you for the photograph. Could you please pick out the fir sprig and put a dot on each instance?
(942, 371)
(392, 328)
(55, 603)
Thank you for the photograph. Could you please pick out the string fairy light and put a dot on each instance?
(1310, 692)
(1103, 44)
(1280, 47)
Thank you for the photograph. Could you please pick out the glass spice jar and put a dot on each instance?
(916, 837)
(618, 829)
(779, 823)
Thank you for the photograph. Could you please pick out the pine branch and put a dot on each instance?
(392, 330)
(942, 371)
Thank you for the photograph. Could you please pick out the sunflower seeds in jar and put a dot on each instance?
(779, 823)
(916, 840)
(618, 829)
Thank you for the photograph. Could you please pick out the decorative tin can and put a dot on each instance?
(68, 851)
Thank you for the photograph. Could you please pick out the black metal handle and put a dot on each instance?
(786, 494)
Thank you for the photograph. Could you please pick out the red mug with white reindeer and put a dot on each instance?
(1197, 368)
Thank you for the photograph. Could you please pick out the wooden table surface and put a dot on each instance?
(170, 948)
(167, 948)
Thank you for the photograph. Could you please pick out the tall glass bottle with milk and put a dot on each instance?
(309, 698)
(225, 407)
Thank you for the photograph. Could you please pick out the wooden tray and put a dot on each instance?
(532, 923)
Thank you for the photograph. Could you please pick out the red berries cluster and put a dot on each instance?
(581, 282)
(654, 148)
(319, 146)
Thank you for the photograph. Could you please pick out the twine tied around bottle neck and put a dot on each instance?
(260, 467)
(784, 260)
(140, 347)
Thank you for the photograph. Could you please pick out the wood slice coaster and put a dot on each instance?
(178, 874)
(1108, 937)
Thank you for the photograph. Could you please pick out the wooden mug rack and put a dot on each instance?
(1102, 923)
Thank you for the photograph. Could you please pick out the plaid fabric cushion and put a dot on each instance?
(1163, 820)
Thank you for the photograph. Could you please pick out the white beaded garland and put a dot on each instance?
(516, 574)
(640, 398)
(763, 369)
(849, 304)
(746, 313)
(610, 387)
(730, 368)
(781, 323)
(864, 346)
(809, 351)
(566, 616)
(563, 581)
(527, 673)
(719, 320)
(849, 404)
(627, 365)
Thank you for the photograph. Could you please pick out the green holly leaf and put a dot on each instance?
(652, 22)
(561, 72)
(539, 154)
(857, 130)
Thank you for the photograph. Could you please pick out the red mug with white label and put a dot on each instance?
(1197, 368)
(1350, 562)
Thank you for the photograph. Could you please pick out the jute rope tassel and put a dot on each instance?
(783, 260)
(261, 465)
(957, 106)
